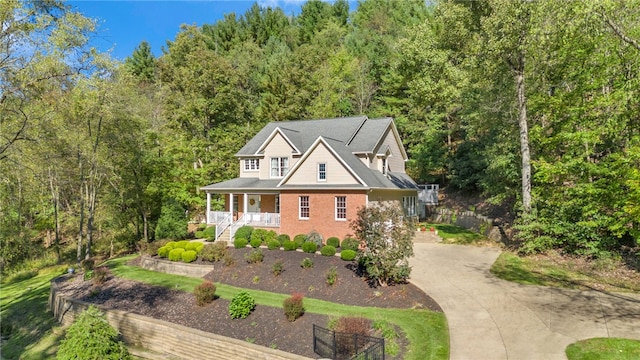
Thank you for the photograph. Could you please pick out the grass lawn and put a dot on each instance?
(452, 234)
(553, 271)
(23, 304)
(426, 330)
(604, 348)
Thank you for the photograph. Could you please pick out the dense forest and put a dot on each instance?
(535, 104)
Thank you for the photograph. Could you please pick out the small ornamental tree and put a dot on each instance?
(91, 337)
(172, 223)
(387, 237)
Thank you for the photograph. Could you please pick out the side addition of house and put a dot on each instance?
(299, 176)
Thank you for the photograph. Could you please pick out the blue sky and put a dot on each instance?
(124, 24)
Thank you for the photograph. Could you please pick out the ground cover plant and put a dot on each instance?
(452, 234)
(604, 348)
(424, 332)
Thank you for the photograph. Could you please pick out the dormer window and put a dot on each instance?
(251, 164)
(279, 166)
(385, 166)
(322, 171)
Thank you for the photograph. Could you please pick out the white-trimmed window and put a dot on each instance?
(322, 171)
(279, 166)
(303, 207)
(385, 166)
(409, 205)
(341, 208)
(251, 164)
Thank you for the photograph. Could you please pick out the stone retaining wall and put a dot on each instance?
(168, 339)
(470, 220)
(174, 267)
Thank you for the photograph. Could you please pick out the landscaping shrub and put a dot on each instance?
(306, 263)
(255, 256)
(350, 244)
(189, 256)
(199, 246)
(241, 305)
(87, 264)
(172, 223)
(244, 232)
(332, 276)
(171, 245)
(328, 250)
(209, 233)
(202, 226)
(293, 306)
(100, 275)
(270, 235)
(239, 243)
(277, 268)
(333, 241)
(273, 244)
(91, 337)
(300, 239)
(353, 325)
(282, 238)
(259, 234)
(289, 245)
(152, 247)
(192, 245)
(315, 238)
(199, 234)
(182, 244)
(205, 293)
(213, 252)
(228, 259)
(163, 252)
(347, 255)
(255, 242)
(176, 254)
(309, 247)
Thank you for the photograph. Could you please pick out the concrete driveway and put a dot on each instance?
(493, 319)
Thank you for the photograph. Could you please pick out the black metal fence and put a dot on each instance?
(343, 346)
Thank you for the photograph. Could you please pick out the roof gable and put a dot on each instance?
(278, 132)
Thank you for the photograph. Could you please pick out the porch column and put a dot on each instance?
(231, 203)
(208, 207)
(245, 202)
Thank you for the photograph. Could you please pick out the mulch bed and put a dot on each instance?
(265, 326)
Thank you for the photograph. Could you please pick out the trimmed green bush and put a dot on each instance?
(176, 254)
(282, 238)
(244, 232)
(91, 337)
(255, 256)
(347, 255)
(171, 245)
(209, 233)
(328, 250)
(289, 245)
(205, 293)
(300, 239)
(240, 243)
(255, 242)
(191, 245)
(350, 244)
(163, 252)
(202, 226)
(333, 241)
(241, 305)
(269, 236)
(198, 248)
(151, 248)
(214, 252)
(309, 247)
(273, 244)
(182, 244)
(189, 256)
(293, 306)
(199, 234)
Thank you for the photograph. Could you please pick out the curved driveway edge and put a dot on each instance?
(493, 319)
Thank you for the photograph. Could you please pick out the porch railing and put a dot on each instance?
(262, 219)
(222, 220)
(235, 226)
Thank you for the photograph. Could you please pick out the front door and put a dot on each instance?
(253, 205)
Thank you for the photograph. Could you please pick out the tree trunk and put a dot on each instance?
(145, 222)
(80, 230)
(524, 139)
(55, 200)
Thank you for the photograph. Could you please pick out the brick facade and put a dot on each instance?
(321, 212)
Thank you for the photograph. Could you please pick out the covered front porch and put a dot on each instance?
(254, 209)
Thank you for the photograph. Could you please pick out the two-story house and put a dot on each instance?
(299, 176)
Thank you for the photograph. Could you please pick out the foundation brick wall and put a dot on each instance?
(167, 339)
(321, 213)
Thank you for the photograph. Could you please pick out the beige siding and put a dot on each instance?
(396, 162)
(379, 196)
(307, 173)
(245, 174)
(277, 147)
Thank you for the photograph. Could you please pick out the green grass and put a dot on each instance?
(604, 348)
(426, 331)
(23, 304)
(533, 271)
(452, 234)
